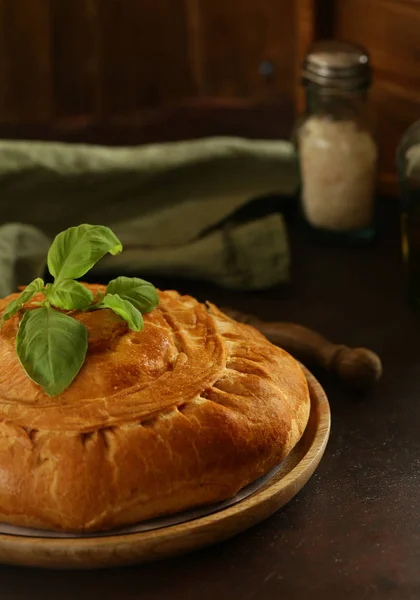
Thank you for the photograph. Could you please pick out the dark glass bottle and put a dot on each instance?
(408, 164)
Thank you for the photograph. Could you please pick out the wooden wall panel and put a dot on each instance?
(305, 33)
(159, 69)
(6, 103)
(390, 29)
(143, 70)
(144, 54)
(236, 36)
(25, 66)
(76, 63)
(74, 56)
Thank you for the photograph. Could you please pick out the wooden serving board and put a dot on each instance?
(117, 550)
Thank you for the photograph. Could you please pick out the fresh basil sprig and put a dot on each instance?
(28, 293)
(142, 294)
(68, 294)
(51, 346)
(75, 251)
(125, 310)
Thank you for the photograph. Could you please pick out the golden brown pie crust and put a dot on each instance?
(182, 414)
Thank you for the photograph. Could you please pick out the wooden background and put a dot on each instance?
(134, 71)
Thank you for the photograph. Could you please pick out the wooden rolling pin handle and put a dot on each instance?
(357, 367)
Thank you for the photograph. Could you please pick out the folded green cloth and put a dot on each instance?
(170, 204)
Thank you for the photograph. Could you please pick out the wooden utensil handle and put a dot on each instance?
(357, 367)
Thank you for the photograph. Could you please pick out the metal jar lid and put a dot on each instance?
(335, 64)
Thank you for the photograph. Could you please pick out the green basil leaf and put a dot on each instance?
(28, 293)
(142, 294)
(125, 310)
(51, 347)
(68, 294)
(76, 250)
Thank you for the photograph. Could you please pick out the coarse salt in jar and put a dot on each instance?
(335, 141)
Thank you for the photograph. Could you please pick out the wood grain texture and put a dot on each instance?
(241, 41)
(390, 29)
(25, 62)
(305, 34)
(144, 54)
(195, 47)
(86, 553)
(188, 119)
(75, 58)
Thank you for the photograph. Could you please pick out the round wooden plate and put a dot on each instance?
(125, 549)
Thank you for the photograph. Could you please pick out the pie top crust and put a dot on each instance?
(184, 413)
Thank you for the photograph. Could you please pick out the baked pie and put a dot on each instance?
(181, 414)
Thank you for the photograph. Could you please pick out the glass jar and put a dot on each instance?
(408, 165)
(335, 141)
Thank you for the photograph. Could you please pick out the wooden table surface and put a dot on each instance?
(353, 533)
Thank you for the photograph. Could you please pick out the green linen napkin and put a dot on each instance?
(172, 205)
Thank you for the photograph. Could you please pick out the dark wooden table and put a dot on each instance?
(354, 531)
